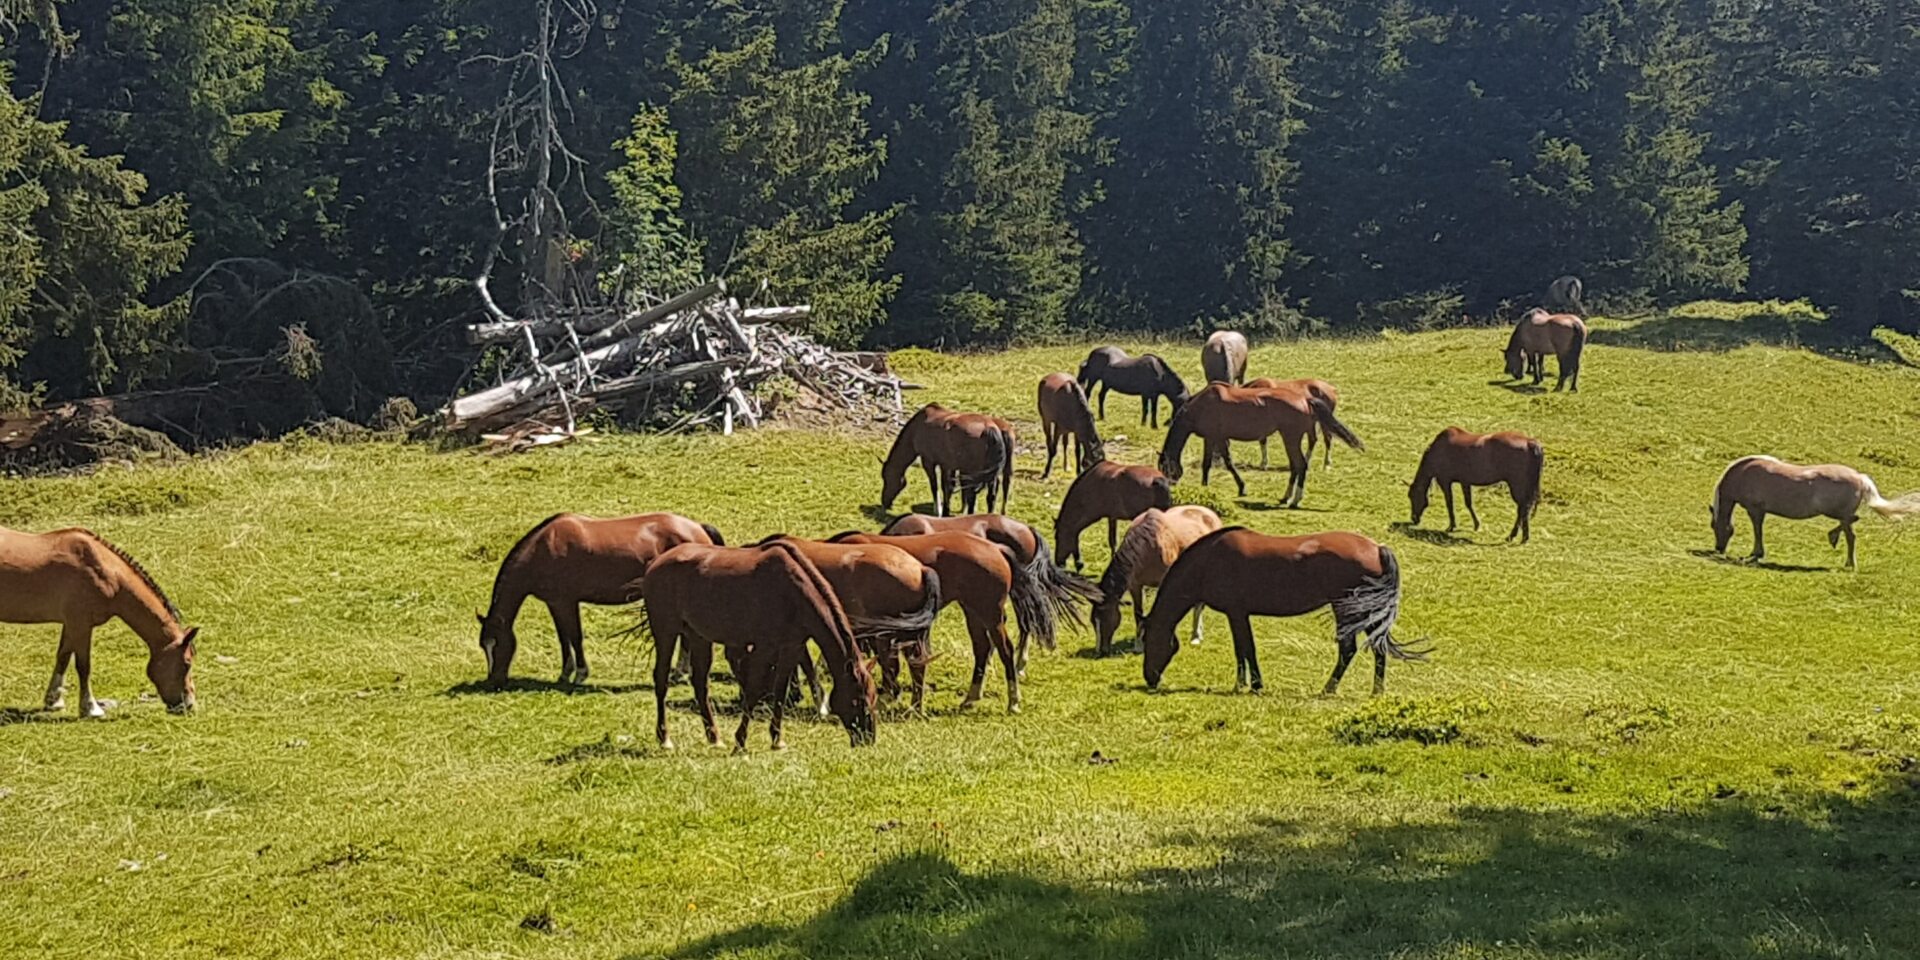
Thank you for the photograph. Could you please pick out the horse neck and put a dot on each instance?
(1177, 434)
(1424, 475)
(510, 590)
(140, 607)
(901, 455)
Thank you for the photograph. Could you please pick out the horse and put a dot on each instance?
(1244, 574)
(1540, 333)
(769, 600)
(569, 559)
(1062, 588)
(75, 578)
(1153, 543)
(1109, 491)
(1564, 296)
(1224, 357)
(1221, 414)
(1320, 388)
(1481, 460)
(981, 577)
(1146, 376)
(1065, 417)
(1766, 485)
(970, 450)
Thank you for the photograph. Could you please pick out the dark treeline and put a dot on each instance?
(954, 172)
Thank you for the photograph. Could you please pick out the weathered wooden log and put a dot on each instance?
(603, 327)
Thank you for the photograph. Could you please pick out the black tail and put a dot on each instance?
(713, 533)
(1064, 589)
(907, 627)
(1323, 412)
(1033, 611)
(1372, 607)
(1535, 464)
(1570, 364)
(997, 455)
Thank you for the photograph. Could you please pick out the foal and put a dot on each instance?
(1066, 418)
(1481, 460)
(1766, 485)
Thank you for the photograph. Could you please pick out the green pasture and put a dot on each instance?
(1622, 746)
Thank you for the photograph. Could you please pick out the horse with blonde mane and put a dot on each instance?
(1539, 333)
(1764, 485)
(1154, 541)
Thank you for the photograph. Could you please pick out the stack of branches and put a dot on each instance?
(699, 358)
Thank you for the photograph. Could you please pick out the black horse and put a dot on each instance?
(1147, 377)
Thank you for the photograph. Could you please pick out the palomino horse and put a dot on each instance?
(1540, 333)
(1564, 295)
(567, 560)
(769, 600)
(1112, 492)
(1062, 588)
(1481, 460)
(1146, 376)
(981, 577)
(1153, 543)
(75, 579)
(1221, 414)
(1319, 388)
(1224, 357)
(966, 450)
(1244, 574)
(1066, 418)
(1766, 485)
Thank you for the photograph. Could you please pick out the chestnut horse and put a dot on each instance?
(1481, 460)
(1540, 333)
(1221, 414)
(1062, 587)
(569, 559)
(1153, 543)
(1319, 388)
(1224, 357)
(1109, 491)
(76, 579)
(768, 600)
(1066, 419)
(1146, 376)
(979, 576)
(1244, 574)
(1766, 485)
(970, 451)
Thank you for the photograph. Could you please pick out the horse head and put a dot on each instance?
(856, 708)
(891, 484)
(1417, 493)
(1157, 649)
(1091, 454)
(171, 670)
(1722, 528)
(1515, 356)
(497, 644)
(1106, 618)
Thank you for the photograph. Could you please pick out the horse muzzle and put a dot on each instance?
(180, 709)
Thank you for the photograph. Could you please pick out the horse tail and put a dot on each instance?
(1323, 413)
(1033, 609)
(1372, 608)
(1536, 463)
(713, 533)
(1063, 587)
(1899, 508)
(1579, 345)
(997, 455)
(909, 626)
(1006, 472)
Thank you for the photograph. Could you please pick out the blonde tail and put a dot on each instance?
(1899, 508)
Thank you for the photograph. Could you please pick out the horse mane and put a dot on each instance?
(769, 538)
(527, 538)
(820, 592)
(138, 571)
(1140, 538)
(1722, 482)
(842, 536)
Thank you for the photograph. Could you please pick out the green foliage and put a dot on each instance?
(1426, 722)
(647, 244)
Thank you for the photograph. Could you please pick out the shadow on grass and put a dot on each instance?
(13, 715)
(1518, 386)
(533, 685)
(1698, 332)
(1733, 880)
(1264, 506)
(1743, 562)
(1439, 538)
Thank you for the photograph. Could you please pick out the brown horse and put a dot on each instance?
(1244, 574)
(769, 600)
(1766, 485)
(1066, 418)
(1221, 414)
(1146, 376)
(78, 580)
(567, 560)
(1540, 333)
(1063, 588)
(1319, 388)
(1224, 357)
(1109, 491)
(1481, 460)
(970, 451)
(1153, 543)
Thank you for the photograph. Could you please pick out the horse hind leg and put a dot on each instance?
(57, 687)
(1466, 496)
(982, 654)
(80, 639)
(1248, 669)
(1349, 645)
(1833, 539)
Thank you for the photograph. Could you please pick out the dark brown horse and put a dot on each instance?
(1107, 491)
(1064, 590)
(76, 579)
(1763, 485)
(1244, 574)
(768, 600)
(1540, 333)
(970, 451)
(1481, 460)
(1221, 414)
(1067, 420)
(1319, 388)
(1146, 376)
(567, 560)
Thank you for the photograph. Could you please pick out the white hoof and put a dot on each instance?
(57, 704)
(94, 710)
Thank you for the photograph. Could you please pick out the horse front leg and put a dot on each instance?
(1263, 453)
(1226, 460)
(753, 686)
(1207, 454)
(1053, 436)
(81, 640)
(1198, 609)
(57, 687)
(933, 484)
(811, 671)
(784, 664)
(566, 626)
(1103, 401)
(1759, 517)
(1446, 491)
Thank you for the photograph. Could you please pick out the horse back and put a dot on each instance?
(1241, 571)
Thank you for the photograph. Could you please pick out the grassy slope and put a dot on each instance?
(1661, 753)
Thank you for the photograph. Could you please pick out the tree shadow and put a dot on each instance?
(1686, 331)
(1833, 878)
(1746, 564)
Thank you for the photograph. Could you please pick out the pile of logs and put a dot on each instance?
(698, 357)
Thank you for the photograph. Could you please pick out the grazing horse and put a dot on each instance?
(1146, 376)
(969, 450)
(1224, 357)
(1766, 485)
(1540, 333)
(768, 600)
(981, 577)
(1319, 388)
(1112, 492)
(1221, 414)
(567, 560)
(1481, 460)
(1563, 296)
(1244, 574)
(78, 580)
(1065, 417)
(1153, 543)
(1062, 588)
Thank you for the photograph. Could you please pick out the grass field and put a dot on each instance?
(1623, 747)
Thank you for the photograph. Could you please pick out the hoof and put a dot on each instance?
(666, 743)
(93, 711)
(1013, 708)
(778, 745)
(55, 706)
(739, 750)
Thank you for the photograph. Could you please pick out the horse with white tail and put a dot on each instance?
(1765, 485)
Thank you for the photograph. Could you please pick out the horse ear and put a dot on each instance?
(481, 617)
(187, 640)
